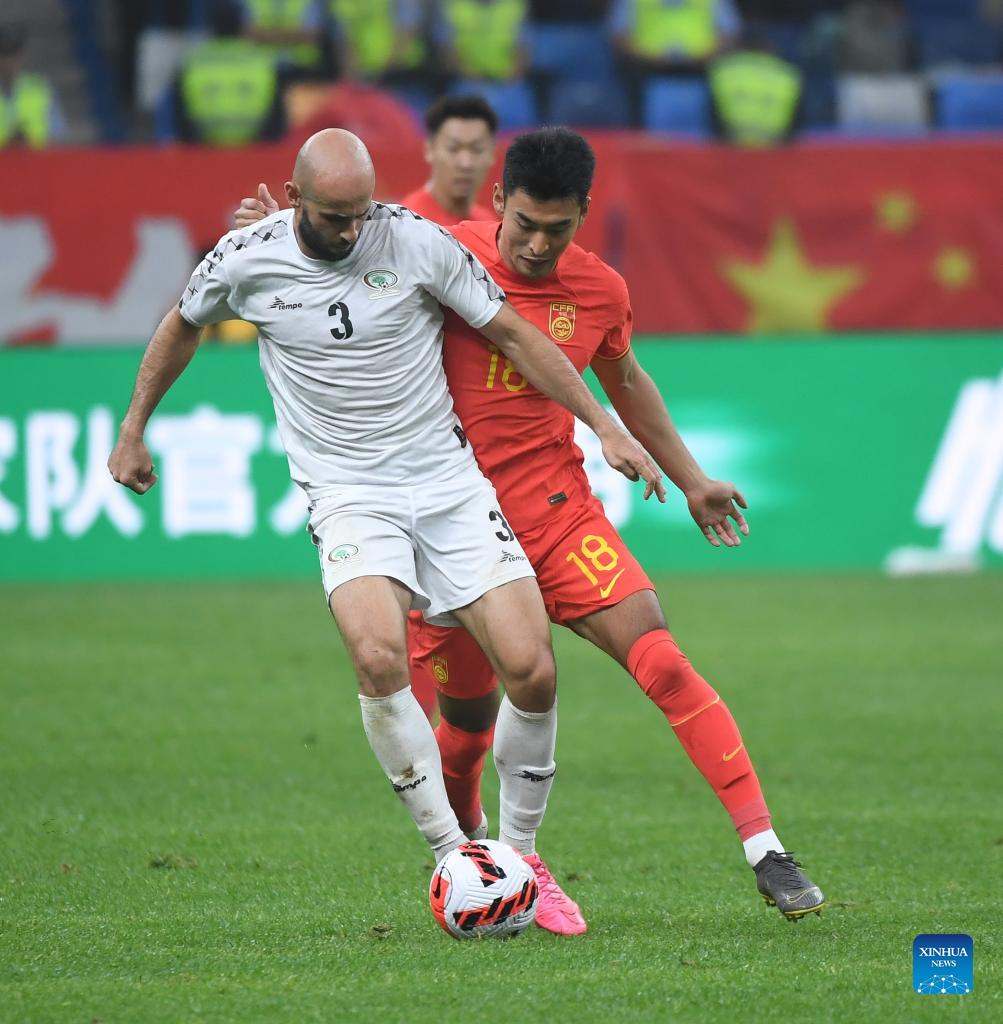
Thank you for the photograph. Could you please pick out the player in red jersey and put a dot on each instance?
(460, 149)
(590, 581)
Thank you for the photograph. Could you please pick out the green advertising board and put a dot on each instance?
(861, 453)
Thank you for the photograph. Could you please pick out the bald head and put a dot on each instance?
(334, 166)
(331, 193)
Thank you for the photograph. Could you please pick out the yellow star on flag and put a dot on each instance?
(896, 212)
(785, 291)
(954, 268)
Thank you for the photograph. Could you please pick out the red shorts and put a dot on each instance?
(582, 566)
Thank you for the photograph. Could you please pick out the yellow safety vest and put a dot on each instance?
(486, 36)
(756, 95)
(286, 15)
(686, 27)
(25, 114)
(228, 87)
(370, 28)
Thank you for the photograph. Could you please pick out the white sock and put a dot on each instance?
(405, 746)
(759, 845)
(524, 757)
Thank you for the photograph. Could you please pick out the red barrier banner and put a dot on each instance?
(816, 237)
(95, 245)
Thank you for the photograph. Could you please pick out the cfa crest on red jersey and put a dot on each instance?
(562, 320)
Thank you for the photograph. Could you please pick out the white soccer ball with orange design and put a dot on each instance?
(481, 889)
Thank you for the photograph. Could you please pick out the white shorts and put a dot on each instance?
(446, 541)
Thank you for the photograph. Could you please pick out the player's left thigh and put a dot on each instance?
(510, 624)
(616, 629)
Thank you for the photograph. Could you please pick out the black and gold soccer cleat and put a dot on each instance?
(783, 885)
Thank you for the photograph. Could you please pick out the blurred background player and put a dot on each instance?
(29, 110)
(460, 149)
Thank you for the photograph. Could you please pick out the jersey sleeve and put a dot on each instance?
(206, 300)
(458, 280)
(616, 341)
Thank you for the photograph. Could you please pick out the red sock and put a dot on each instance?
(462, 763)
(704, 726)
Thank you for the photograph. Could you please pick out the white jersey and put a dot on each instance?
(352, 350)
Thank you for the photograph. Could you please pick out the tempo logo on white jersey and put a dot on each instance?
(963, 493)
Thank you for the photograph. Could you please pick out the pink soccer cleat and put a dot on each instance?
(555, 911)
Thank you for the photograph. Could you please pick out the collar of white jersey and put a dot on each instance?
(311, 261)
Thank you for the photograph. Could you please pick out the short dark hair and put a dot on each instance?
(467, 108)
(550, 163)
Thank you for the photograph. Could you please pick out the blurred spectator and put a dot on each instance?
(293, 29)
(755, 94)
(663, 36)
(484, 40)
(29, 111)
(668, 37)
(228, 90)
(378, 40)
(874, 37)
(460, 149)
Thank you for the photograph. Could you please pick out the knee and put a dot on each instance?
(381, 668)
(531, 679)
(661, 669)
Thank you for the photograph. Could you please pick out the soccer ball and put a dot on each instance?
(483, 888)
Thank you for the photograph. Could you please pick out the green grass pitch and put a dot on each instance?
(192, 827)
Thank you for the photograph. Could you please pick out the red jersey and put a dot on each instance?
(423, 203)
(524, 441)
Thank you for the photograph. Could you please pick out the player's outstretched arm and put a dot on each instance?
(252, 210)
(712, 503)
(170, 350)
(546, 367)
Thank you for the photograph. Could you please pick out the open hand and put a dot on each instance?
(251, 211)
(711, 503)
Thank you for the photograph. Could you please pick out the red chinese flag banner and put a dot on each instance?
(815, 237)
(96, 244)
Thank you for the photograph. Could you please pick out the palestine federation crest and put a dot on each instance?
(562, 320)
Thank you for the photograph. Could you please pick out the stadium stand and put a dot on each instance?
(970, 103)
(867, 68)
(514, 102)
(677, 106)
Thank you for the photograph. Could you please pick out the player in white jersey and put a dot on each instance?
(345, 294)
